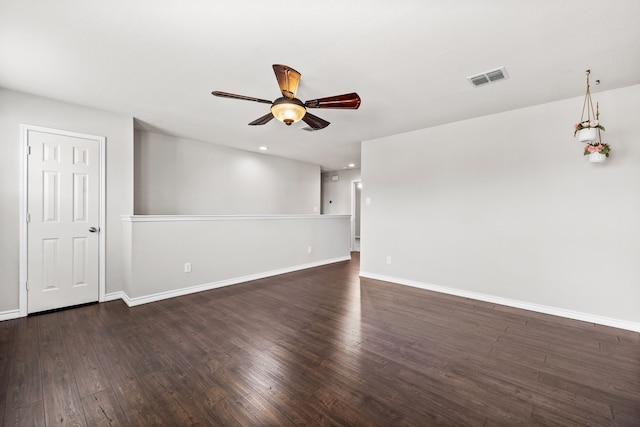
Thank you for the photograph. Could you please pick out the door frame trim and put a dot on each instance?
(24, 186)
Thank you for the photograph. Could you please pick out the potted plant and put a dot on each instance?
(597, 152)
(587, 130)
(589, 127)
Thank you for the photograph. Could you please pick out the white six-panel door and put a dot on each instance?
(63, 205)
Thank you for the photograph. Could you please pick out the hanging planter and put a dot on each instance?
(588, 129)
(597, 157)
(597, 153)
(589, 134)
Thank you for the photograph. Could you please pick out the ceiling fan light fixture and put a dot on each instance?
(288, 110)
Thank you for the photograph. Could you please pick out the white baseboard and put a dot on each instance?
(10, 314)
(555, 311)
(112, 296)
(132, 302)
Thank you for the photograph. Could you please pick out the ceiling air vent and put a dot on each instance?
(488, 77)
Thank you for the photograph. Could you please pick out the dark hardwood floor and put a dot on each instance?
(315, 347)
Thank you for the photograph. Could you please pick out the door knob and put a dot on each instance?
(93, 229)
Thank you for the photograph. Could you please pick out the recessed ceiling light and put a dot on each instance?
(263, 148)
(352, 165)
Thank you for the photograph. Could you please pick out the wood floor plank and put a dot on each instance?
(29, 415)
(147, 415)
(233, 413)
(103, 409)
(271, 392)
(124, 379)
(318, 347)
(88, 373)
(23, 380)
(62, 404)
(6, 353)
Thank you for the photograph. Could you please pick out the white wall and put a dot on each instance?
(176, 176)
(19, 108)
(336, 195)
(506, 206)
(224, 250)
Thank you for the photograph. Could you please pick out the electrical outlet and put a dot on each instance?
(309, 249)
(388, 260)
(187, 267)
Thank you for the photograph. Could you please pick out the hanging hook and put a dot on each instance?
(588, 85)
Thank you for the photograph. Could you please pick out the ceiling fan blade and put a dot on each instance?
(262, 120)
(348, 100)
(288, 80)
(315, 122)
(234, 96)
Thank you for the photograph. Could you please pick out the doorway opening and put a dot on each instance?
(356, 191)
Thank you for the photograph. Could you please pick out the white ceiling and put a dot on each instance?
(159, 60)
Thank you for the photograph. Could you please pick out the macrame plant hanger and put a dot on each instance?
(587, 107)
(588, 129)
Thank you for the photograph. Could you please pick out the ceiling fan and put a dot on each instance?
(289, 109)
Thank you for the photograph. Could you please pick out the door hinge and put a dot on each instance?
(28, 150)
(28, 217)
(27, 285)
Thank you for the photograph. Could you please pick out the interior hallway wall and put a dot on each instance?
(177, 176)
(336, 194)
